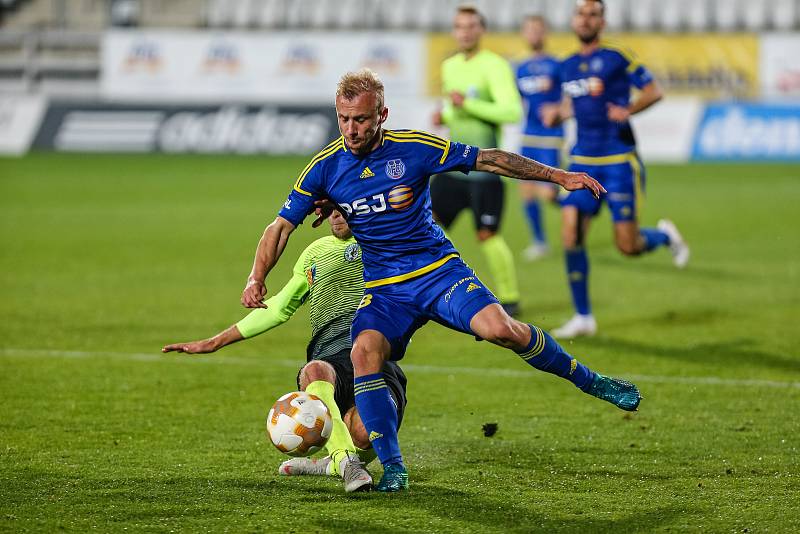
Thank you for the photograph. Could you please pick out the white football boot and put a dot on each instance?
(579, 325)
(354, 474)
(535, 251)
(678, 247)
(305, 466)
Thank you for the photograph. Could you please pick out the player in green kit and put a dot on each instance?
(328, 276)
(480, 96)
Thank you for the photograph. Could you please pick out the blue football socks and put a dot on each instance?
(544, 353)
(653, 238)
(534, 213)
(378, 412)
(578, 276)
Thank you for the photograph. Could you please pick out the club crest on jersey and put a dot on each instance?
(352, 252)
(596, 65)
(311, 273)
(395, 169)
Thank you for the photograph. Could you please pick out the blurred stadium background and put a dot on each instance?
(99, 75)
(144, 144)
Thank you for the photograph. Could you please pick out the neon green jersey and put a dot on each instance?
(491, 98)
(328, 276)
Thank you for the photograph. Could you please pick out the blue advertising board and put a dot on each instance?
(748, 132)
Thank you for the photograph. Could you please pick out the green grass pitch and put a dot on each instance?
(106, 258)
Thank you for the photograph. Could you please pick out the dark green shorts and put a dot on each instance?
(343, 390)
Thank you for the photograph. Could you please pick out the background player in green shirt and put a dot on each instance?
(480, 96)
(329, 277)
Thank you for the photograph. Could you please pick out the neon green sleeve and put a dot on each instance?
(448, 111)
(505, 105)
(281, 306)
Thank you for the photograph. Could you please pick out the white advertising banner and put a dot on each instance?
(298, 67)
(665, 132)
(20, 117)
(780, 65)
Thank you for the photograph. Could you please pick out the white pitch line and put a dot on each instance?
(136, 356)
(414, 368)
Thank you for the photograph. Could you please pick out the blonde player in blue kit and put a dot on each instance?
(412, 273)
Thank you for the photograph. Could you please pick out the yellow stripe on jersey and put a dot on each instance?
(444, 154)
(627, 53)
(418, 133)
(321, 155)
(445, 148)
(412, 134)
(413, 274)
(602, 160)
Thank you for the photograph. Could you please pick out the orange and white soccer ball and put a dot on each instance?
(299, 424)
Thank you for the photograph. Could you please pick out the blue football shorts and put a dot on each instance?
(624, 182)
(450, 295)
(548, 156)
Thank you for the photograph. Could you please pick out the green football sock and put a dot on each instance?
(340, 442)
(501, 266)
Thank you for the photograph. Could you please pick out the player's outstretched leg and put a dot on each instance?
(544, 353)
(376, 408)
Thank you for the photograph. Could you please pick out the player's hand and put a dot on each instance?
(549, 114)
(618, 113)
(457, 98)
(323, 209)
(436, 118)
(193, 347)
(573, 181)
(253, 294)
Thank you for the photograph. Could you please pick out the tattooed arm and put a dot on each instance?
(498, 161)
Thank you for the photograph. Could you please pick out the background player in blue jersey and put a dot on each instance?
(412, 273)
(597, 84)
(539, 83)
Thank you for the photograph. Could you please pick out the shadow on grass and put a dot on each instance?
(739, 352)
(679, 317)
(443, 506)
(692, 272)
(310, 504)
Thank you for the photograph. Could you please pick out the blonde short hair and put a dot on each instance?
(356, 83)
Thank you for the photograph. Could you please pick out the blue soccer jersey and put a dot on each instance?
(592, 82)
(539, 82)
(387, 200)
